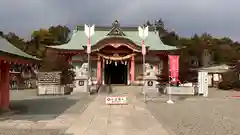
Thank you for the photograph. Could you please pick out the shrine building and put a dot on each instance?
(116, 56)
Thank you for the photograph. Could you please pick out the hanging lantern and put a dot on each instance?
(106, 61)
(125, 62)
(115, 63)
(110, 62)
(35, 69)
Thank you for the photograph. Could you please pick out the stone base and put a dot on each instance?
(137, 83)
(53, 90)
(80, 86)
(79, 90)
(151, 91)
(181, 90)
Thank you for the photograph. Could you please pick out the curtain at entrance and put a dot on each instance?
(138, 69)
(94, 69)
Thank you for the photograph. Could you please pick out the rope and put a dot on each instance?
(116, 58)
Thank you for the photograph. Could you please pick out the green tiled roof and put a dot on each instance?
(153, 40)
(7, 47)
(79, 40)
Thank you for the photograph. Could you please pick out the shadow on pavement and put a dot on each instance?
(39, 109)
(15, 131)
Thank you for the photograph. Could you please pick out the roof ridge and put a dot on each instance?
(7, 47)
(108, 28)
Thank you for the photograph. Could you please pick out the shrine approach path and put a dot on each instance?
(130, 119)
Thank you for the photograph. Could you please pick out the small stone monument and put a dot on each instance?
(150, 81)
(49, 83)
(81, 78)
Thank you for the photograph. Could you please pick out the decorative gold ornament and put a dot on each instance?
(115, 55)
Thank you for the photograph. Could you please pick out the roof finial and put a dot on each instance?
(155, 26)
(116, 23)
(78, 28)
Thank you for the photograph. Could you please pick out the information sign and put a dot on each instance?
(116, 100)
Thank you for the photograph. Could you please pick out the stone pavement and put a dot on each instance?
(48, 115)
(131, 119)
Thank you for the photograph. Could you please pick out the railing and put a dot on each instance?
(19, 86)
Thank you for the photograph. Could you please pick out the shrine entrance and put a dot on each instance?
(116, 73)
(115, 60)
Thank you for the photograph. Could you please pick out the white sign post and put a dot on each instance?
(203, 83)
(116, 100)
(89, 31)
(143, 33)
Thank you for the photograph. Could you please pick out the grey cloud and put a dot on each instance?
(218, 17)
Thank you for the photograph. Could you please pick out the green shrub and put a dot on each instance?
(225, 85)
(236, 84)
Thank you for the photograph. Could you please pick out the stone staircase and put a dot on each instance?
(105, 89)
(122, 90)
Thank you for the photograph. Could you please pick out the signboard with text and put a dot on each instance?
(116, 100)
(174, 67)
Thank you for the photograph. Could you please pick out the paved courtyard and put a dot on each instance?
(38, 115)
(219, 114)
(131, 119)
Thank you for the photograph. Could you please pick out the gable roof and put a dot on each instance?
(7, 47)
(116, 30)
(215, 68)
(79, 38)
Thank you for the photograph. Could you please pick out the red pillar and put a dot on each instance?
(156, 69)
(4, 87)
(132, 69)
(99, 71)
(103, 71)
(0, 85)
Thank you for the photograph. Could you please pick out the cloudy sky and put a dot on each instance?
(218, 17)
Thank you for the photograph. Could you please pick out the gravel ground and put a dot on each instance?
(38, 115)
(215, 115)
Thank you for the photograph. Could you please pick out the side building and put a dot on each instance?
(10, 56)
